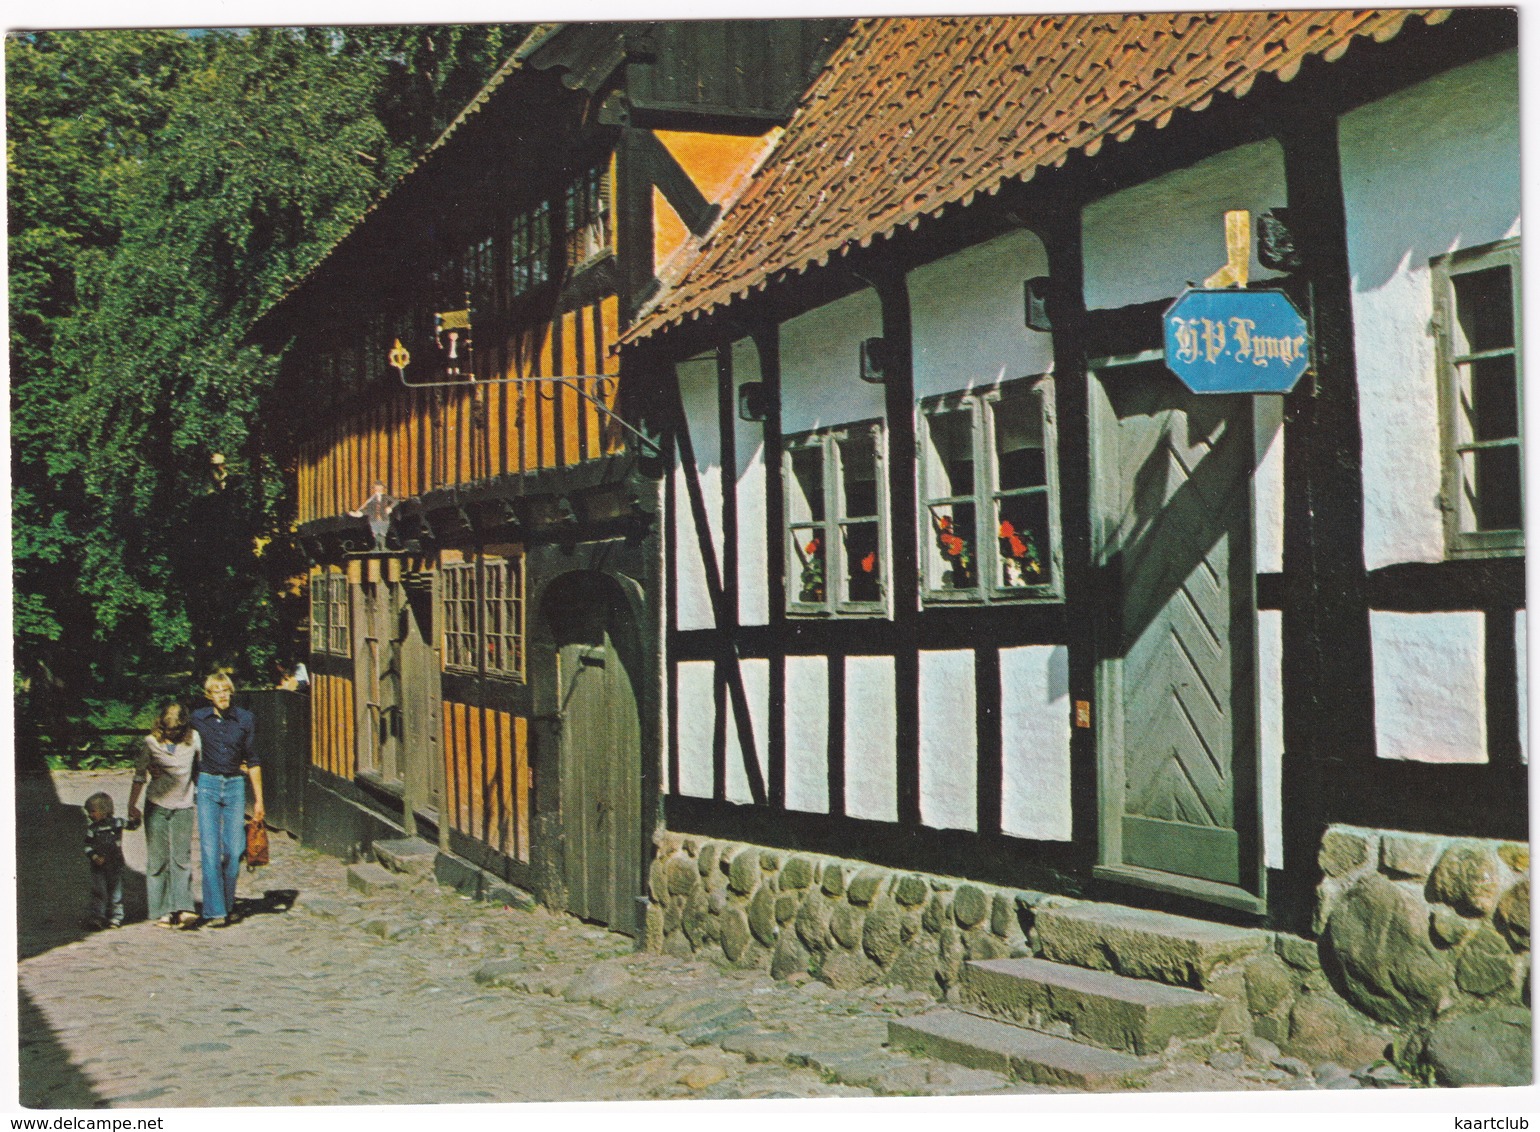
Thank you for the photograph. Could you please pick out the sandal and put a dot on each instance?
(169, 920)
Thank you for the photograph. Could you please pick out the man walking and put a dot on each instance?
(229, 758)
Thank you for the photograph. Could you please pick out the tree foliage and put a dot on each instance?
(164, 189)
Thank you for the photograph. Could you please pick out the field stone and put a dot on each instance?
(1466, 879)
(935, 914)
(1407, 855)
(833, 879)
(762, 915)
(1342, 852)
(1268, 984)
(673, 914)
(864, 886)
(915, 967)
(882, 934)
(845, 925)
(844, 970)
(735, 933)
(1515, 854)
(743, 873)
(911, 890)
(697, 910)
(1324, 1028)
(769, 861)
(657, 879)
(969, 906)
(789, 957)
(708, 858)
(1001, 915)
(1226, 1060)
(951, 954)
(1388, 965)
(813, 922)
(682, 876)
(1512, 915)
(785, 907)
(1487, 1047)
(979, 943)
(1447, 927)
(1485, 965)
(1301, 954)
(677, 945)
(1260, 1049)
(797, 873)
(652, 929)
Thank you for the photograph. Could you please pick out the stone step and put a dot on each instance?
(1143, 944)
(1041, 1059)
(370, 878)
(1099, 1007)
(410, 855)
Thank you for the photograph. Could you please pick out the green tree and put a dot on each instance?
(224, 166)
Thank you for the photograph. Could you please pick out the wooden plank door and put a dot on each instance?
(1177, 739)
(600, 766)
(421, 704)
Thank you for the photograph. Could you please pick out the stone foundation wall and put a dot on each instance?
(845, 922)
(1414, 927)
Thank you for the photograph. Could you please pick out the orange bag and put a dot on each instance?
(256, 843)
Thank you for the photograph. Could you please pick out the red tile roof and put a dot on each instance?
(912, 115)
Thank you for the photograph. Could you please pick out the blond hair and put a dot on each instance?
(218, 682)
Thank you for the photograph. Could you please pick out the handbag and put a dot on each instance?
(256, 843)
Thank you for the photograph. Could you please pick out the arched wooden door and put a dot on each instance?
(597, 659)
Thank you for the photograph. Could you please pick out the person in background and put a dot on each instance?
(229, 757)
(104, 853)
(166, 759)
(377, 509)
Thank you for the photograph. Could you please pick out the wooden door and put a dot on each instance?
(600, 757)
(1177, 728)
(422, 760)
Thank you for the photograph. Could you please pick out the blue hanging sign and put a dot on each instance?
(1236, 341)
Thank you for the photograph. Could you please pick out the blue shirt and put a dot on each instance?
(227, 739)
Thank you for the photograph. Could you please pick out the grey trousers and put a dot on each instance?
(168, 867)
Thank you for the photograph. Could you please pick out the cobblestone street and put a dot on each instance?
(329, 994)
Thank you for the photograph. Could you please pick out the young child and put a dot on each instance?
(104, 851)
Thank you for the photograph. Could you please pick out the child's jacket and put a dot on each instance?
(104, 839)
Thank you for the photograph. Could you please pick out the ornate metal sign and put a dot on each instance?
(1235, 341)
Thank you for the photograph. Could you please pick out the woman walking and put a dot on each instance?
(165, 765)
(229, 758)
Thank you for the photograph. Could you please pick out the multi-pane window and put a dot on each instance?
(1478, 312)
(329, 622)
(529, 249)
(987, 505)
(503, 605)
(459, 609)
(588, 215)
(836, 508)
(483, 615)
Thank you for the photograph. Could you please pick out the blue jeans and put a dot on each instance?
(221, 840)
(107, 894)
(168, 871)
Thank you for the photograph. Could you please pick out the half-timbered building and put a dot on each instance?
(467, 476)
(961, 581)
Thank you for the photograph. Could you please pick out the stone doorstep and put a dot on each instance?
(983, 1043)
(1101, 1008)
(410, 855)
(1142, 944)
(369, 878)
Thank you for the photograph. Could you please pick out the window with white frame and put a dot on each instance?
(988, 505)
(836, 521)
(329, 621)
(1477, 312)
(483, 616)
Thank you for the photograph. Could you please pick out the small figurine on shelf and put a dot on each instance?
(377, 509)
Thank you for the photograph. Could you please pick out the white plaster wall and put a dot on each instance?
(1149, 241)
(1267, 484)
(1034, 737)
(871, 741)
(1429, 686)
(807, 733)
(1426, 171)
(821, 381)
(969, 316)
(697, 715)
(1521, 645)
(1270, 731)
(698, 389)
(949, 753)
(753, 578)
(756, 689)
